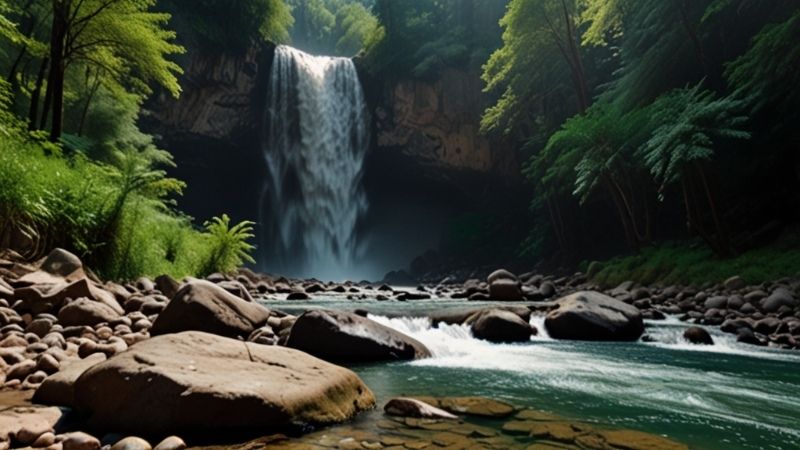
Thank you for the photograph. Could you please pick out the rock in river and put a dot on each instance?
(592, 316)
(198, 381)
(344, 336)
(201, 305)
(496, 325)
(697, 335)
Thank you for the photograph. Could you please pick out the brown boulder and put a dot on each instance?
(592, 316)
(344, 336)
(496, 325)
(203, 306)
(86, 312)
(198, 381)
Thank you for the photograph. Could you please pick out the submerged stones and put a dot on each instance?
(410, 407)
(592, 316)
(199, 381)
(342, 336)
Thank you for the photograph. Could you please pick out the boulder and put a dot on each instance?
(86, 312)
(590, 315)
(496, 325)
(236, 288)
(171, 443)
(344, 336)
(197, 381)
(131, 443)
(734, 283)
(410, 407)
(14, 419)
(505, 289)
(61, 263)
(167, 285)
(203, 306)
(779, 297)
(79, 440)
(59, 389)
(697, 335)
(501, 274)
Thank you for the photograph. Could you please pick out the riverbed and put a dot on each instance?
(727, 395)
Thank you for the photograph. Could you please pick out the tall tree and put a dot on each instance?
(122, 38)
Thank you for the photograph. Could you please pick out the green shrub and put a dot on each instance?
(227, 246)
(117, 217)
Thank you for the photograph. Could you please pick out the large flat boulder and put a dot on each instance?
(194, 381)
(344, 336)
(592, 316)
(200, 305)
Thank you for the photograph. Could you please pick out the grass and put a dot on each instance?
(694, 264)
(117, 217)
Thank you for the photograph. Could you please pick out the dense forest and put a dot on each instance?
(640, 122)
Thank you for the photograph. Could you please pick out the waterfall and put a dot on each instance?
(315, 142)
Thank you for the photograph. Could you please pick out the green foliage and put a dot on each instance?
(418, 38)
(116, 216)
(688, 122)
(534, 97)
(767, 74)
(228, 246)
(331, 27)
(231, 25)
(695, 264)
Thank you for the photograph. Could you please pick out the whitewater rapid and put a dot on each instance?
(626, 373)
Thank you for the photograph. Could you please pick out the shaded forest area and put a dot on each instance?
(640, 121)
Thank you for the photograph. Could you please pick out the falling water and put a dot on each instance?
(316, 140)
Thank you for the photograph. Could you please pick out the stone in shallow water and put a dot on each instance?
(409, 407)
(476, 406)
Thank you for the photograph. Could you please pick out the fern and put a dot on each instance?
(688, 122)
(228, 246)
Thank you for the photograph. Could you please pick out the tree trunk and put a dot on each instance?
(57, 66)
(92, 91)
(33, 113)
(581, 86)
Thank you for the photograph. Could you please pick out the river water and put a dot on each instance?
(724, 396)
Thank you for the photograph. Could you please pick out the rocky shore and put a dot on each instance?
(86, 363)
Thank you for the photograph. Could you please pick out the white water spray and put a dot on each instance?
(316, 140)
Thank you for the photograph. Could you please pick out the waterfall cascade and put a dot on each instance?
(316, 139)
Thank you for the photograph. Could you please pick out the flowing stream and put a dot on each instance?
(316, 137)
(724, 396)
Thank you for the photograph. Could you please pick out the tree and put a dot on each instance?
(688, 123)
(540, 50)
(121, 39)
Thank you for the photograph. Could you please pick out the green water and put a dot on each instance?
(724, 396)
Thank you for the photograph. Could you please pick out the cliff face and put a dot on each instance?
(223, 97)
(436, 124)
